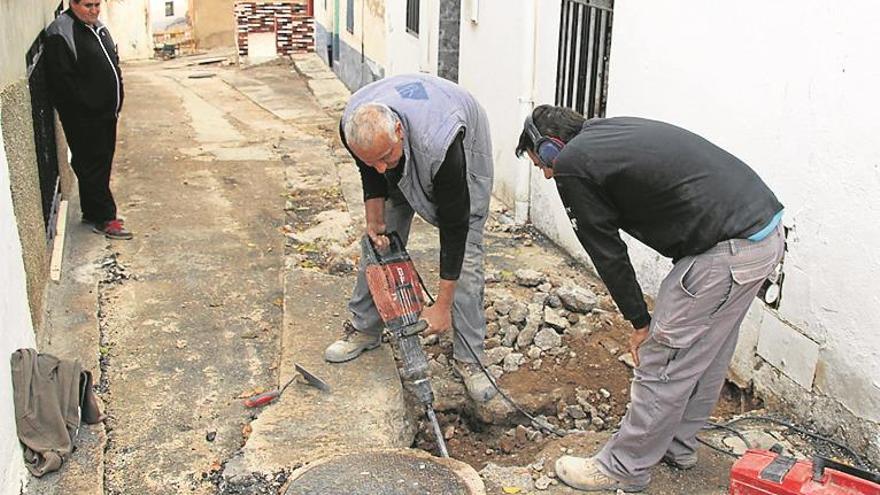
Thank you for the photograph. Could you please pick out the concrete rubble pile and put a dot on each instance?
(532, 332)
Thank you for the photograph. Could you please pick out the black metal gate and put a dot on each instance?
(584, 48)
(44, 134)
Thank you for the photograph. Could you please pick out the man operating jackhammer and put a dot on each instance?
(422, 145)
(690, 201)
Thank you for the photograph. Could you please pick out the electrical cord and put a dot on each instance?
(728, 426)
(540, 423)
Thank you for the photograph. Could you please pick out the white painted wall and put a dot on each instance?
(158, 19)
(17, 332)
(792, 90)
(129, 23)
(408, 53)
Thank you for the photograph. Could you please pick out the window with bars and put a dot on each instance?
(412, 17)
(349, 16)
(584, 47)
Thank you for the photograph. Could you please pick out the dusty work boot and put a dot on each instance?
(112, 229)
(584, 474)
(351, 345)
(683, 462)
(475, 381)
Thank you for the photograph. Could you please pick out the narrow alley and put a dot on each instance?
(247, 216)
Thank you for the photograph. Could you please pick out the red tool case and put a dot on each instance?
(762, 472)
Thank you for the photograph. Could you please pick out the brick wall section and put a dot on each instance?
(294, 28)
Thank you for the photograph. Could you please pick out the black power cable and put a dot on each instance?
(539, 423)
(728, 426)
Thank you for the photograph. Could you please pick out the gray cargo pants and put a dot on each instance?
(697, 315)
(468, 317)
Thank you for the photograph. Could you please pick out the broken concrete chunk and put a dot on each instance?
(582, 424)
(577, 299)
(449, 432)
(534, 352)
(529, 278)
(627, 359)
(491, 315)
(553, 301)
(510, 334)
(496, 371)
(540, 298)
(497, 354)
(553, 319)
(542, 483)
(513, 361)
(547, 338)
(518, 313)
(545, 287)
(575, 412)
(491, 328)
(502, 307)
(527, 335)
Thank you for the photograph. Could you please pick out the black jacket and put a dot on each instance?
(85, 81)
(669, 188)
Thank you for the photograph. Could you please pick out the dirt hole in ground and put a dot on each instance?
(580, 382)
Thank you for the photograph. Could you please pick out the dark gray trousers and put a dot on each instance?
(697, 315)
(468, 317)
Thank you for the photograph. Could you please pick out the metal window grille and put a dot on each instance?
(43, 115)
(169, 9)
(412, 17)
(584, 47)
(349, 16)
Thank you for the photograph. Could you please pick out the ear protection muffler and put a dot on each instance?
(547, 148)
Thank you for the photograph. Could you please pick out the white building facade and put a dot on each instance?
(789, 89)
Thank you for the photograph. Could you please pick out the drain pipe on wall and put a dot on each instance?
(523, 188)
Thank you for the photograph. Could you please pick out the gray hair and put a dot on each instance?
(368, 121)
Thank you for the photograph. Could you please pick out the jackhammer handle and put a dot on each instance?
(262, 399)
(392, 253)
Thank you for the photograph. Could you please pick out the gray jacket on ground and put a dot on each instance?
(51, 395)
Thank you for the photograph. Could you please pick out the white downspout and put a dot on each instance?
(522, 191)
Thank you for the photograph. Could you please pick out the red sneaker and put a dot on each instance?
(113, 229)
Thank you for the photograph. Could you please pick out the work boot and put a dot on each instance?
(584, 474)
(112, 229)
(475, 381)
(351, 345)
(683, 462)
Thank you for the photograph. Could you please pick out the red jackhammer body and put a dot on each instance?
(397, 293)
(761, 472)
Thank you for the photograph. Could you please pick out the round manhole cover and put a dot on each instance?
(388, 473)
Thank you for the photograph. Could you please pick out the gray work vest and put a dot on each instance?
(432, 111)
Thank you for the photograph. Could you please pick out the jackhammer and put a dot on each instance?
(397, 293)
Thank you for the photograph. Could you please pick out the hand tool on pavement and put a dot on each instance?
(397, 293)
(311, 379)
(267, 397)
